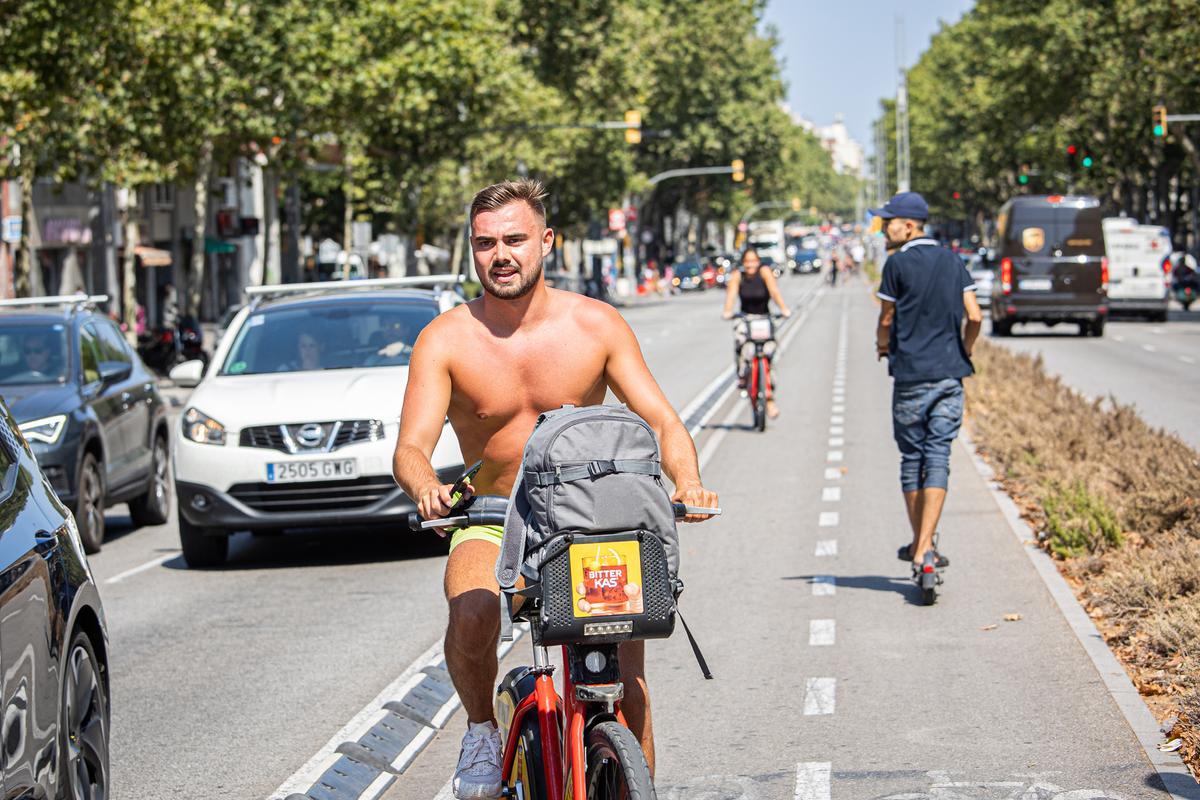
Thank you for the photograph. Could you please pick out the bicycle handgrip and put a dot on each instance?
(682, 510)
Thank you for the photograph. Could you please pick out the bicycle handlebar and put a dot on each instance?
(489, 510)
(743, 315)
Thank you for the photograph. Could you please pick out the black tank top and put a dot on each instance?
(753, 293)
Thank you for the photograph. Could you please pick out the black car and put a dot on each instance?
(54, 687)
(1052, 264)
(689, 277)
(88, 407)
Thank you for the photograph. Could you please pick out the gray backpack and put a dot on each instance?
(588, 470)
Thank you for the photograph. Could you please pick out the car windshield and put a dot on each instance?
(327, 335)
(33, 353)
(687, 269)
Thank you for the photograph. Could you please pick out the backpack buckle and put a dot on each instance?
(598, 468)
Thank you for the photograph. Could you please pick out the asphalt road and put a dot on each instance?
(1153, 365)
(226, 682)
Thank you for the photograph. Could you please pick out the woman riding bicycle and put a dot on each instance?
(754, 287)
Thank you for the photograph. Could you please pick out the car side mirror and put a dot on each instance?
(113, 371)
(187, 374)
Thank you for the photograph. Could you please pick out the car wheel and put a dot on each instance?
(154, 507)
(89, 504)
(1001, 328)
(202, 547)
(84, 722)
(1097, 328)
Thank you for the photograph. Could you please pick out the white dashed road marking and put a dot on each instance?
(833, 455)
(833, 474)
(1149, 348)
(837, 419)
(828, 519)
(826, 548)
(836, 441)
(831, 494)
(824, 585)
(836, 430)
(1187, 359)
(151, 564)
(822, 632)
(819, 696)
(839, 409)
(812, 781)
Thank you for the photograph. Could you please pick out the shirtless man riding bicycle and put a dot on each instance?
(492, 366)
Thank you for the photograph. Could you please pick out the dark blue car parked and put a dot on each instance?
(89, 409)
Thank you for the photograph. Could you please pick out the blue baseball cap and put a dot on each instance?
(909, 205)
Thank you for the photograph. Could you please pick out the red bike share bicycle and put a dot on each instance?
(577, 746)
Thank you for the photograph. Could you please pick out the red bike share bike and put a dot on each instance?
(577, 746)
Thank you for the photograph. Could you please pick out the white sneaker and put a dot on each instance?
(478, 774)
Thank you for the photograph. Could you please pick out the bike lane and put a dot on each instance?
(831, 681)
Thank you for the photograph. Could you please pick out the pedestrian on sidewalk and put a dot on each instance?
(925, 293)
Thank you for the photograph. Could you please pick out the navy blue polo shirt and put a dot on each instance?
(926, 282)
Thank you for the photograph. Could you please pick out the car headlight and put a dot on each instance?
(47, 429)
(201, 428)
(817, 262)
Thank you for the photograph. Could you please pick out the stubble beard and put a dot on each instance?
(518, 288)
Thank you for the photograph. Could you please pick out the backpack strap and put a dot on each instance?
(695, 648)
(594, 469)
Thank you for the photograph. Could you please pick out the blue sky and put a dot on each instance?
(840, 56)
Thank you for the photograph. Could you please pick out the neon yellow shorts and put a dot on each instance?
(482, 533)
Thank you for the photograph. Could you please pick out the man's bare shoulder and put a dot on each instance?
(589, 312)
(440, 332)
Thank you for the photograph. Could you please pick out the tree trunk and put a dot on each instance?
(291, 258)
(195, 280)
(347, 218)
(26, 276)
(127, 202)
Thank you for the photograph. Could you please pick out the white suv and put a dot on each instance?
(295, 420)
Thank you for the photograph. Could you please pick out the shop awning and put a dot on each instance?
(152, 256)
(212, 245)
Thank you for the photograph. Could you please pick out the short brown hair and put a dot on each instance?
(528, 190)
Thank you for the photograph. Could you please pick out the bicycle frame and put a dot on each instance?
(556, 713)
(759, 357)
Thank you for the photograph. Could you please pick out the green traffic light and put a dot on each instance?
(1022, 179)
(1087, 162)
(1158, 130)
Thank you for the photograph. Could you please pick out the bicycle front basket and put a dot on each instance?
(605, 588)
(761, 330)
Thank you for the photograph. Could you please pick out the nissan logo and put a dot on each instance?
(310, 435)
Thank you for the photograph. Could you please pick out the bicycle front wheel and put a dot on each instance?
(760, 402)
(616, 765)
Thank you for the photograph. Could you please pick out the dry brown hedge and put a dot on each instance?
(1119, 502)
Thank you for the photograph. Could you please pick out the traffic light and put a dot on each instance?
(1087, 162)
(1160, 120)
(956, 195)
(1023, 176)
(796, 204)
(739, 170)
(633, 131)
(1072, 157)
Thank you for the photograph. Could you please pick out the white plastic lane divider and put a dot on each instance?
(822, 632)
(363, 759)
(819, 696)
(151, 564)
(812, 781)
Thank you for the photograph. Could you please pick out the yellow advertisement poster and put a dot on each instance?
(606, 578)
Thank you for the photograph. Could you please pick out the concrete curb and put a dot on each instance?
(1174, 774)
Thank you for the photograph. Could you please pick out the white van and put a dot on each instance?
(1139, 267)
